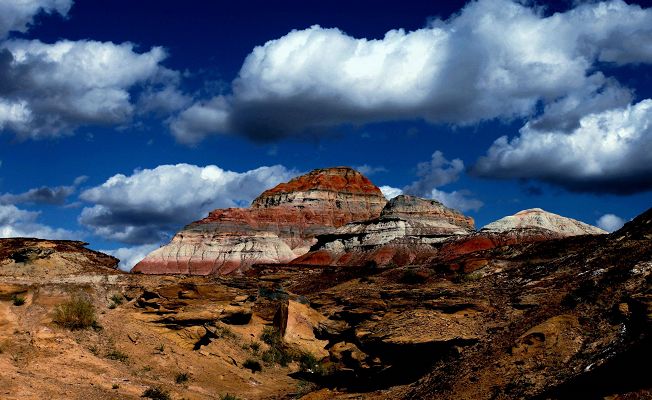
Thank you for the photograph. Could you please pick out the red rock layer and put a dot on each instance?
(280, 225)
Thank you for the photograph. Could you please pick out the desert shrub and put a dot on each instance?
(252, 365)
(115, 386)
(160, 348)
(117, 355)
(156, 393)
(182, 377)
(271, 336)
(223, 331)
(229, 396)
(18, 300)
(117, 299)
(255, 347)
(76, 313)
(308, 362)
(304, 387)
(474, 276)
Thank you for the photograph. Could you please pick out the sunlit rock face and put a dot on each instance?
(536, 218)
(280, 225)
(404, 233)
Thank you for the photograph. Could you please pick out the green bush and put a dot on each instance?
(271, 336)
(117, 299)
(117, 355)
(156, 394)
(18, 300)
(253, 365)
(76, 313)
(229, 396)
(255, 347)
(182, 377)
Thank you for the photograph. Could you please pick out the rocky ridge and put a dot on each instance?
(280, 225)
(405, 230)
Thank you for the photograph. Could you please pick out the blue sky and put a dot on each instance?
(122, 121)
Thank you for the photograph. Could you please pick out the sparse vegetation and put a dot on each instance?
(308, 362)
(252, 365)
(18, 300)
(117, 299)
(182, 377)
(94, 350)
(271, 336)
(115, 386)
(156, 393)
(160, 348)
(76, 313)
(305, 387)
(229, 396)
(255, 347)
(474, 276)
(117, 355)
(223, 331)
(277, 352)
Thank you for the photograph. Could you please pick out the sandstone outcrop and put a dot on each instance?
(536, 218)
(527, 226)
(280, 225)
(404, 233)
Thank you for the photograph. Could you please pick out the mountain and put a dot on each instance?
(415, 231)
(413, 303)
(280, 225)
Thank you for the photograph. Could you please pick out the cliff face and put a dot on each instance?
(417, 231)
(404, 233)
(280, 225)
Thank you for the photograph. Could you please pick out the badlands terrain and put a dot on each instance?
(324, 289)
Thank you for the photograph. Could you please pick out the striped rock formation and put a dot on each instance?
(280, 225)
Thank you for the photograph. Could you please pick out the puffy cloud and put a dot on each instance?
(458, 200)
(15, 222)
(390, 192)
(610, 222)
(495, 59)
(48, 90)
(148, 205)
(610, 152)
(166, 100)
(200, 120)
(437, 172)
(18, 15)
(43, 195)
(369, 170)
(130, 256)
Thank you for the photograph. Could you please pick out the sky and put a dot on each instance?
(123, 121)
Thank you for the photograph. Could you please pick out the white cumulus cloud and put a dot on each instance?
(50, 89)
(390, 192)
(15, 222)
(130, 256)
(610, 222)
(494, 59)
(610, 151)
(17, 15)
(148, 205)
